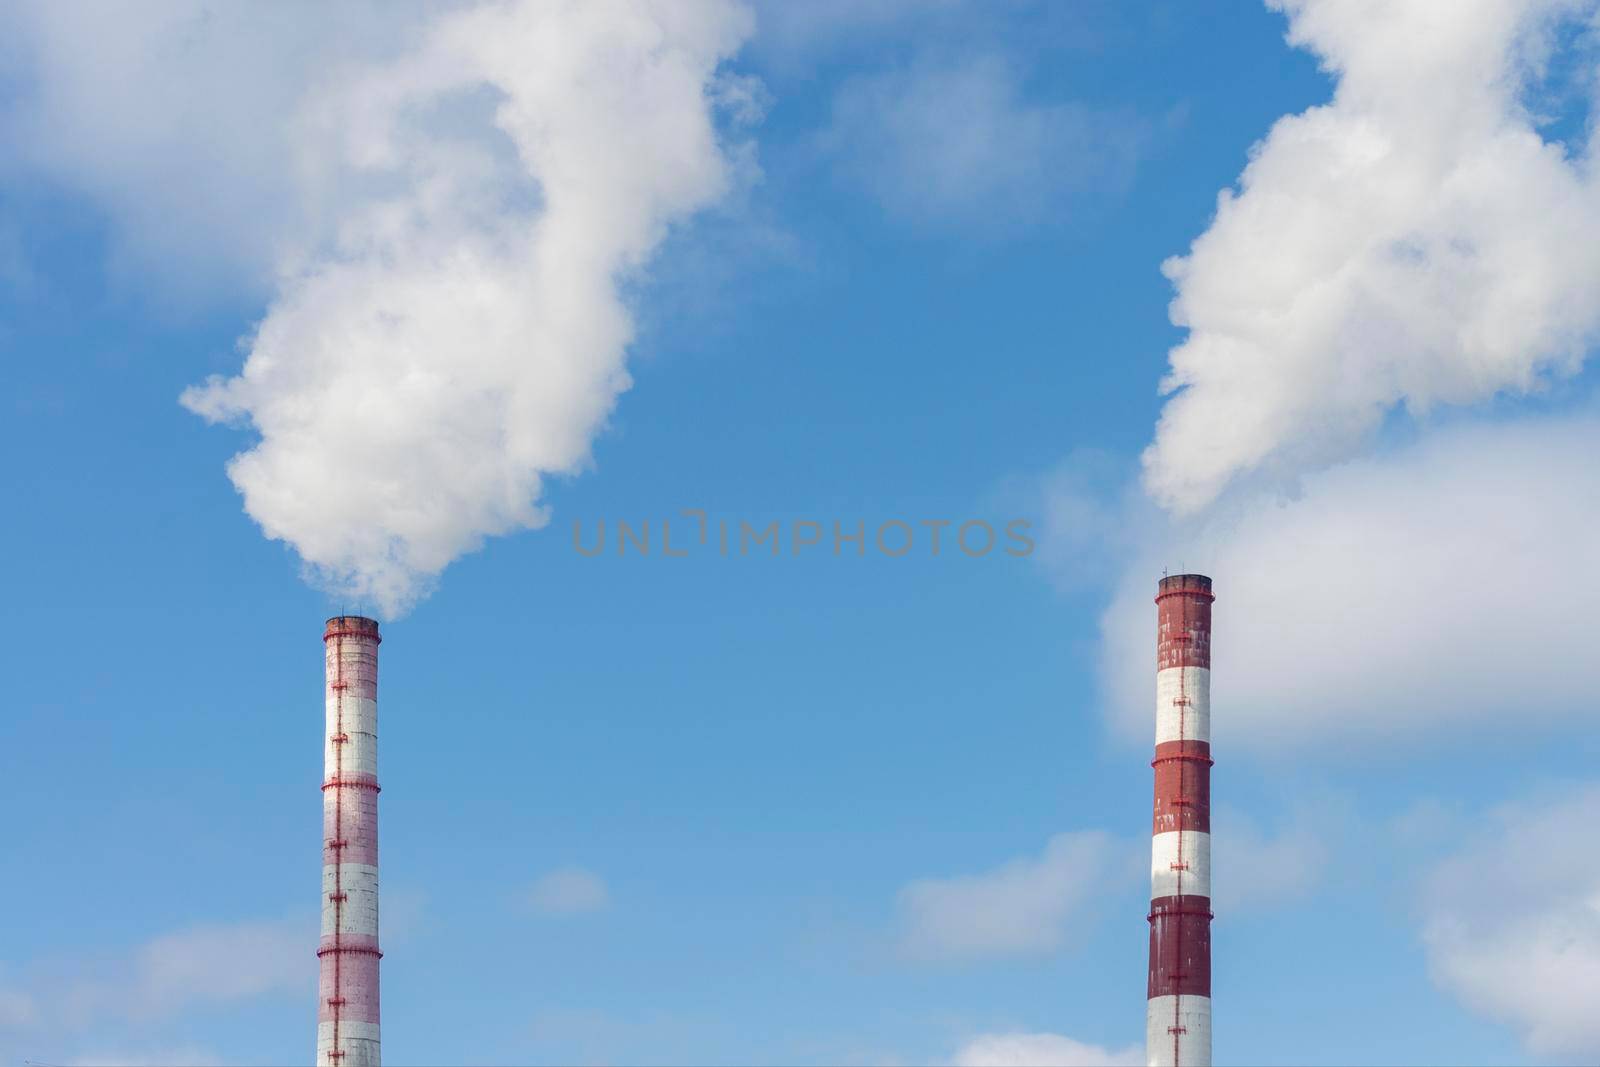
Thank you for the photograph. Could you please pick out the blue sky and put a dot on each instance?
(678, 810)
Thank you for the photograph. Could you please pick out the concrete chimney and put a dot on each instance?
(347, 1013)
(1178, 1010)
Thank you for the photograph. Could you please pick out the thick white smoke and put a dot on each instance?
(1416, 241)
(461, 335)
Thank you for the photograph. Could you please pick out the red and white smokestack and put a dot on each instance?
(347, 1015)
(1178, 1015)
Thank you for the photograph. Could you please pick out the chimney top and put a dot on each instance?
(1192, 584)
(352, 626)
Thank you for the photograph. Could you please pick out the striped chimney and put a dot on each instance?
(1178, 1012)
(347, 1011)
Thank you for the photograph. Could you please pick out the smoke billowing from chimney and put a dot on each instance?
(1416, 241)
(462, 337)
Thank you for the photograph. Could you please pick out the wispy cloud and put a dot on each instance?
(1512, 921)
(1256, 865)
(18, 1008)
(180, 1056)
(217, 963)
(1029, 906)
(569, 891)
(802, 30)
(1042, 1050)
(205, 966)
(962, 143)
(170, 117)
(1412, 563)
(582, 1035)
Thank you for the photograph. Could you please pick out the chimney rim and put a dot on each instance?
(352, 626)
(1191, 584)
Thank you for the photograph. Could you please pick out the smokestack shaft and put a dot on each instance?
(347, 1015)
(1178, 1011)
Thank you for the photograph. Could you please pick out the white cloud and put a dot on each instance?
(1042, 1050)
(652, 1035)
(185, 1056)
(17, 1009)
(465, 337)
(1086, 506)
(219, 962)
(202, 964)
(1513, 922)
(1025, 907)
(1255, 866)
(1413, 242)
(172, 116)
(406, 914)
(802, 29)
(569, 891)
(100, 1002)
(1438, 588)
(962, 143)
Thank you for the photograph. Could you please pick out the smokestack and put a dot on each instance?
(1178, 1012)
(347, 1013)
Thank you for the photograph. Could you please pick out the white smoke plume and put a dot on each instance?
(1415, 242)
(460, 335)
